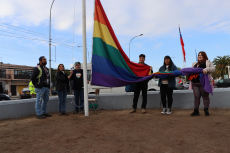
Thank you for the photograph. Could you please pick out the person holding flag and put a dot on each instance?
(196, 86)
(167, 85)
(77, 77)
(141, 86)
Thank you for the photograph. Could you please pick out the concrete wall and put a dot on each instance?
(183, 99)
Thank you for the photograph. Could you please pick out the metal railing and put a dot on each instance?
(22, 77)
(5, 76)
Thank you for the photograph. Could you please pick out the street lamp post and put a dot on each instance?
(131, 41)
(50, 45)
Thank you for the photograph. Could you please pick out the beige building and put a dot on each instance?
(13, 78)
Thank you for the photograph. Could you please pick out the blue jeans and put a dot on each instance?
(62, 94)
(42, 100)
(79, 95)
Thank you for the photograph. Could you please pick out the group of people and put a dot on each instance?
(167, 86)
(41, 81)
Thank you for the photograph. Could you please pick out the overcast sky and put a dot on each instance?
(205, 25)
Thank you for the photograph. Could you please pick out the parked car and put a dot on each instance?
(186, 85)
(4, 97)
(152, 86)
(53, 92)
(223, 83)
(25, 93)
(179, 84)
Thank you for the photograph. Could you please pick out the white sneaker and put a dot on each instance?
(169, 111)
(164, 111)
(143, 111)
(133, 111)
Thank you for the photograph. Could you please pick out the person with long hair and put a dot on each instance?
(167, 85)
(62, 83)
(195, 84)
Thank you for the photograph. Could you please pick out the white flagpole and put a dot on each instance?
(92, 44)
(86, 103)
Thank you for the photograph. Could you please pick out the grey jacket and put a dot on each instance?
(171, 80)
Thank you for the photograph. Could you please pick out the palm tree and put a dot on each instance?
(220, 64)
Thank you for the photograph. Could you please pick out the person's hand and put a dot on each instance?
(151, 67)
(71, 73)
(204, 72)
(32, 94)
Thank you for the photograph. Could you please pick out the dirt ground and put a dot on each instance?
(119, 132)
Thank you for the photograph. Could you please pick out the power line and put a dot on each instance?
(23, 37)
(28, 36)
(33, 32)
(40, 52)
(29, 50)
(26, 59)
(29, 31)
(36, 39)
(59, 41)
(23, 48)
(73, 29)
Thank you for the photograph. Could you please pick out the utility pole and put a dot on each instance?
(50, 46)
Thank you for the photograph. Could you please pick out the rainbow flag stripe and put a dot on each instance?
(110, 65)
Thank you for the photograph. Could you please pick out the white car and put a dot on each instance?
(186, 85)
(152, 86)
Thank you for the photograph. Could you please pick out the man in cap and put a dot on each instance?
(41, 81)
(77, 77)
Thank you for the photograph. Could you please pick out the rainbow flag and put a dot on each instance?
(111, 67)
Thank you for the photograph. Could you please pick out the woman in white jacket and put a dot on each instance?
(195, 85)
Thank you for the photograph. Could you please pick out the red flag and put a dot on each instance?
(182, 44)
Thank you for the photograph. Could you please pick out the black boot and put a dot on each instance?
(40, 117)
(195, 113)
(206, 112)
(47, 115)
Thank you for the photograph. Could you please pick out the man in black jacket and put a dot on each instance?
(41, 81)
(77, 77)
(141, 86)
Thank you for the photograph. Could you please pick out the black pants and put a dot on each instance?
(138, 88)
(166, 91)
